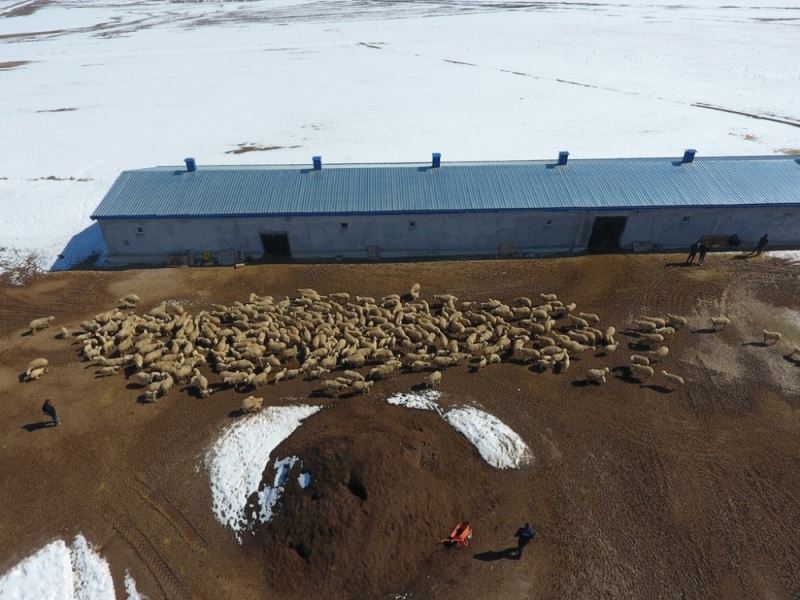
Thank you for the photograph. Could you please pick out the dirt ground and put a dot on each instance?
(635, 491)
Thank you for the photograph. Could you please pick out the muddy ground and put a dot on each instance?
(635, 491)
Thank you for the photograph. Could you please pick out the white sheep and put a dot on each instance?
(591, 317)
(642, 371)
(659, 352)
(63, 333)
(774, 336)
(362, 386)
(40, 324)
(252, 404)
(676, 321)
(719, 323)
(36, 363)
(433, 379)
(609, 334)
(637, 359)
(597, 376)
(672, 378)
(34, 374)
(414, 292)
(106, 371)
(657, 320)
(548, 297)
(646, 326)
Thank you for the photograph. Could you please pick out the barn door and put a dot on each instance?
(276, 244)
(606, 233)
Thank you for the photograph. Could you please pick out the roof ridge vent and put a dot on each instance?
(688, 155)
(191, 165)
(563, 156)
(436, 160)
(317, 162)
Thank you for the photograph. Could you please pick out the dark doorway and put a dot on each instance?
(606, 233)
(276, 245)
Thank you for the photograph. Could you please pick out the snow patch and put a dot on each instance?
(792, 256)
(237, 459)
(497, 443)
(427, 400)
(92, 577)
(269, 496)
(60, 573)
(45, 574)
(130, 588)
(304, 479)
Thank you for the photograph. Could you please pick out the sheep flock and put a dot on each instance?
(330, 338)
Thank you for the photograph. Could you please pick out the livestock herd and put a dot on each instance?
(330, 337)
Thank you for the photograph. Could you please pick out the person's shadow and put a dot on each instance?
(492, 555)
(31, 427)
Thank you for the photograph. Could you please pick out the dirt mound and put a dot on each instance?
(387, 484)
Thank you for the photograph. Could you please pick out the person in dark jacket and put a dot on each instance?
(692, 252)
(703, 252)
(50, 410)
(762, 244)
(524, 535)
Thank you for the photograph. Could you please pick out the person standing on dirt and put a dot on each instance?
(703, 252)
(50, 410)
(524, 537)
(692, 252)
(762, 244)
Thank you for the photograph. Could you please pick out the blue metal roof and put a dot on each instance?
(594, 184)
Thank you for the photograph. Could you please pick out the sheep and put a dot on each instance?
(414, 292)
(672, 378)
(608, 337)
(641, 371)
(591, 317)
(645, 326)
(36, 363)
(40, 324)
(659, 352)
(106, 371)
(651, 339)
(477, 363)
(637, 359)
(353, 375)
(578, 322)
(775, 336)
(657, 320)
(676, 321)
(719, 323)
(419, 365)
(62, 334)
(610, 348)
(666, 331)
(252, 404)
(433, 379)
(548, 297)
(330, 387)
(597, 376)
(362, 386)
(144, 378)
(150, 395)
(34, 374)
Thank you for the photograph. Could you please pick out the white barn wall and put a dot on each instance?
(455, 234)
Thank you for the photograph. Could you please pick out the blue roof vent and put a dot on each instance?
(562, 158)
(191, 165)
(688, 155)
(437, 160)
(317, 160)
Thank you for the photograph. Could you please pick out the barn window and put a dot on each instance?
(685, 219)
(140, 230)
(548, 222)
(343, 226)
(412, 224)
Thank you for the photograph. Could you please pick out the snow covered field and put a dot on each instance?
(57, 572)
(112, 85)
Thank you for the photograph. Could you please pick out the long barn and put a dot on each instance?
(233, 213)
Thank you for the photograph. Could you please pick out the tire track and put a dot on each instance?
(154, 561)
(161, 504)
